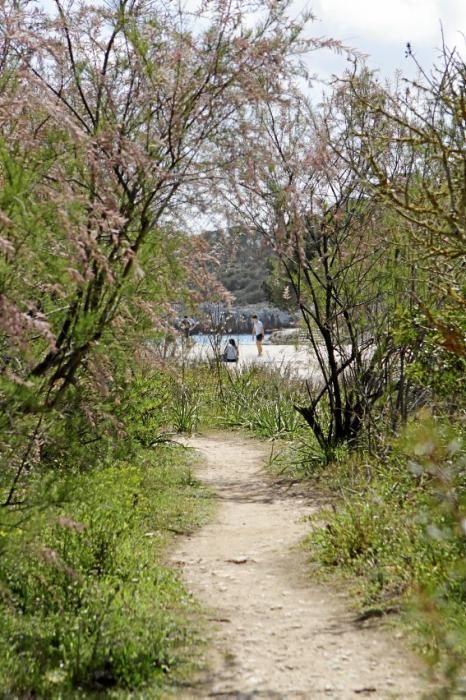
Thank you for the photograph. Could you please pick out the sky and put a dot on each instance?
(381, 29)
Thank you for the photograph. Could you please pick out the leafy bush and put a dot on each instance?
(143, 407)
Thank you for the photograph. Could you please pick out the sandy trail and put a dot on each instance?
(275, 634)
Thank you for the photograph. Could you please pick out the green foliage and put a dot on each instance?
(144, 406)
(85, 600)
(184, 408)
(439, 362)
(262, 402)
(277, 286)
(242, 259)
(253, 398)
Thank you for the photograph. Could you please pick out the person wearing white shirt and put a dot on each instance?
(258, 333)
(231, 353)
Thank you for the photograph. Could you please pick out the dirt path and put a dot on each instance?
(276, 634)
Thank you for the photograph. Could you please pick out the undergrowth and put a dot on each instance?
(256, 399)
(86, 602)
(397, 533)
(396, 526)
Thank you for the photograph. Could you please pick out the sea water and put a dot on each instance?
(222, 340)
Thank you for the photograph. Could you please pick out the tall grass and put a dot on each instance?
(256, 399)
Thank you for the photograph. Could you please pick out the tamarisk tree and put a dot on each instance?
(327, 231)
(110, 117)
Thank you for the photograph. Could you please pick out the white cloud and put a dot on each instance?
(381, 29)
(417, 21)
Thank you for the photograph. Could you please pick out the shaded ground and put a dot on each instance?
(275, 634)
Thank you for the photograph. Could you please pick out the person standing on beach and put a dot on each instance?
(186, 325)
(257, 333)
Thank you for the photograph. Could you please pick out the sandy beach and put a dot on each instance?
(290, 359)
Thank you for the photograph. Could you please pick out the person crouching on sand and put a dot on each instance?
(258, 333)
(231, 352)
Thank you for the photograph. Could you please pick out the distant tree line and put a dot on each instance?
(240, 261)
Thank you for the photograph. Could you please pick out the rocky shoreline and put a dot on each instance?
(237, 319)
(286, 336)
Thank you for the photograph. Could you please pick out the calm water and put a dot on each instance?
(206, 339)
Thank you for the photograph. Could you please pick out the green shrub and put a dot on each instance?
(142, 408)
